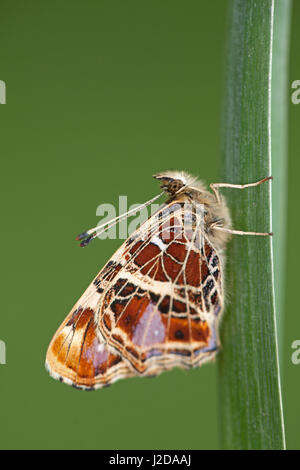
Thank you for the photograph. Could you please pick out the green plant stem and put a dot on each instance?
(279, 115)
(249, 381)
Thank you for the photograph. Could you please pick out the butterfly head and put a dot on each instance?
(171, 181)
(174, 181)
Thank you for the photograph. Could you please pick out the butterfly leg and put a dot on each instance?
(215, 186)
(241, 232)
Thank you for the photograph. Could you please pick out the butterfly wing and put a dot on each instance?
(164, 302)
(78, 356)
(153, 306)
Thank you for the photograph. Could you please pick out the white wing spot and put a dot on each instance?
(158, 242)
(100, 347)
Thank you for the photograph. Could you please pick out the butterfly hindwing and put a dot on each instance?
(162, 306)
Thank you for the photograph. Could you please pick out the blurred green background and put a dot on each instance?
(101, 95)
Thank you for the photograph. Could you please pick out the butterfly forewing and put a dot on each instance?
(78, 356)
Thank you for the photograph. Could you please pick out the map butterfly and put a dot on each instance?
(158, 302)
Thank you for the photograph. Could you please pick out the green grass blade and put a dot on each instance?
(249, 381)
(279, 114)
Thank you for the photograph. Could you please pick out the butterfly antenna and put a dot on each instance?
(91, 234)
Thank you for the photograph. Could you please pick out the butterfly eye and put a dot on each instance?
(174, 186)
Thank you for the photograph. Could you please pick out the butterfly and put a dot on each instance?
(158, 302)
